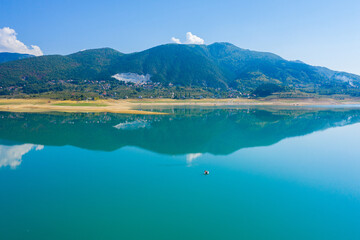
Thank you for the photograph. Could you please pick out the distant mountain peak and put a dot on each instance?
(105, 50)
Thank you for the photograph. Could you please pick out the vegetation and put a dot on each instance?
(88, 104)
(267, 89)
(219, 70)
(7, 57)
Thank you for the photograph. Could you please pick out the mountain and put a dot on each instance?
(7, 57)
(217, 66)
(82, 65)
(349, 78)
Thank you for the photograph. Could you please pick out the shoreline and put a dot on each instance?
(130, 106)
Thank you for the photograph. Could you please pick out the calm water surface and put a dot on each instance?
(275, 173)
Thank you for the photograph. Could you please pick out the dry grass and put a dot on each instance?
(129, 106)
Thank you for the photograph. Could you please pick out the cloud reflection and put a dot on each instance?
(191, 157)
(12, 155)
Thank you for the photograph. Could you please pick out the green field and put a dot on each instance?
(81, 104)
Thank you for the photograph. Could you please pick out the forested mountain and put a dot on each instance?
(220, 66)
(7, 57)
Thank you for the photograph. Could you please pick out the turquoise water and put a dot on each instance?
(275, 173)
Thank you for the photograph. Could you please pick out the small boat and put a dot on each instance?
(206, 172)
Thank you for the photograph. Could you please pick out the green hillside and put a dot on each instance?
(7, 57)
(185, 65)
(219, 70)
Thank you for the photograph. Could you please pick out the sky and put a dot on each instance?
(317, 32)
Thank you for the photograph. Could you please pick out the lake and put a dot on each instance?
(275, 173)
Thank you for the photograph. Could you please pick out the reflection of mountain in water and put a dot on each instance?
(136, 124)
(217, 131)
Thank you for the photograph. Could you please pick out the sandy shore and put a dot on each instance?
(46, 105)
(129, 106)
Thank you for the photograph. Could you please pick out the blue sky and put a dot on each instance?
(325, 33)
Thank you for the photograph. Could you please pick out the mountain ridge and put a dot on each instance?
(219, 65)
(9, 56)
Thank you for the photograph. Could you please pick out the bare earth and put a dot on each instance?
(128, 106)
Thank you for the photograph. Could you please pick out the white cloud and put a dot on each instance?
(12, 155)
(176, 40)
(9, 43)
(193, 39)
(190, 39)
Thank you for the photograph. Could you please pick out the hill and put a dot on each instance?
(219, 69)
(7, 57)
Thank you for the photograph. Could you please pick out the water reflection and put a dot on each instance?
(11, 156)
(189, 131)
(191, 157)
(326, 159)
(310, 183)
